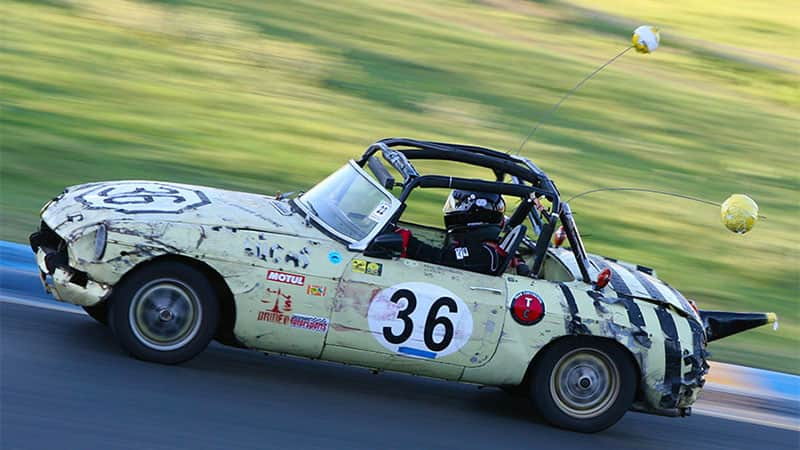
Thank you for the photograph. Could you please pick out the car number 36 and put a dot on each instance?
(420, 320)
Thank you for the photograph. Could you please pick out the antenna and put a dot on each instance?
(652, 191)
(645, 40)
(739, 212)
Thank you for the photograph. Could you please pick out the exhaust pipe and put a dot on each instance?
(720, 324)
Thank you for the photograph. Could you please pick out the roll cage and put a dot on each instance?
(528, 182)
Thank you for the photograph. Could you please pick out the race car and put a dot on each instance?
(169, 267)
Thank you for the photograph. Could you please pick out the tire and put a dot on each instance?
(98, 312)
(165, 312)
(583, 384)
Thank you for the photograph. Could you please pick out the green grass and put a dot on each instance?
(268, 96)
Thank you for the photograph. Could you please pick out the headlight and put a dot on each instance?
(100, 241)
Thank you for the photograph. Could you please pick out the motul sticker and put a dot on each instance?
(288, 278)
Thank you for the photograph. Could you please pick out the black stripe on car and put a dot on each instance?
(574, 324)
(672, 359)
(617, 283)
(651, 288)
(681, 298)
(634, 315)
(697, 360)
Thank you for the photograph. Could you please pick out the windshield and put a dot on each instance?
(348, 203)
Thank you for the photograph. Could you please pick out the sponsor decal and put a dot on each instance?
(420, 320)
(276, 253)
(316, 291)
(380, 210)
(300, 258)
(527, 308)
(317, 324)
(334, 257)
(461, 253)
(139, 197)
(278, 313)
(284, 277)
(367, 267)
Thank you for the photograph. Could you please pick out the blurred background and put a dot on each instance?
(272, 96)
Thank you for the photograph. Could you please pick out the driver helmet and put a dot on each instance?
(471, 209)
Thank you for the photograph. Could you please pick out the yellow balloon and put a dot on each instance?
(739, 213)
(646, 39)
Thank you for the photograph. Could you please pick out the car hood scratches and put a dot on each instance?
(159, 202)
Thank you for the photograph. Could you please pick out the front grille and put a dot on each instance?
(51, 243)
(47, 238)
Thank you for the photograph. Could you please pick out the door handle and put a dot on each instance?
(488, 289)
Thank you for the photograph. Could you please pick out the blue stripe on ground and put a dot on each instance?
(17, 256)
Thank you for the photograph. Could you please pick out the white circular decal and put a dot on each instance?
(143, 197)
(420, 320)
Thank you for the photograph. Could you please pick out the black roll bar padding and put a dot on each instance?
(542, 244)
(501, 163)
(575, 241)
(477, 159)
(489, 158)
(392, 142)
(536, 220)
(381, 173)
(522, 211)
(511, 249)
(439, 181)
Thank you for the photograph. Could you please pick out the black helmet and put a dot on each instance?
(468, 209)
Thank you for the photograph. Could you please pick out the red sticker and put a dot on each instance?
(527, 308)
(288, 278)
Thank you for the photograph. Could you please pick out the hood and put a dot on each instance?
(630, 280)
(155, 201)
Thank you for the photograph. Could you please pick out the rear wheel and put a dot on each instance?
(583, 384)
(166, 312)
(98, 312)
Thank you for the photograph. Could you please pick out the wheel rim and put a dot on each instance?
(165, 314)
(584, 383)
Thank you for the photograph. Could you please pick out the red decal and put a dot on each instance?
(527, 308)
(278, 312)
(288, 278)
(270, 316)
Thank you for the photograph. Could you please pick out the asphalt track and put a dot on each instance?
(64, 383)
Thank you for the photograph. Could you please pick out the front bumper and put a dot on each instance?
(63, 282)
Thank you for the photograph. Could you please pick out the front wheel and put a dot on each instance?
(165, 312)
(583, 385)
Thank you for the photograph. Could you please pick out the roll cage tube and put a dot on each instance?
(521, 170)
(575, 242)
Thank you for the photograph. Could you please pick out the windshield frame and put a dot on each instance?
(354, 244)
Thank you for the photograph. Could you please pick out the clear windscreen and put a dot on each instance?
(348, 203)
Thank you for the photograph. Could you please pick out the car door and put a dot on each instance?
(408, 315)
(287, 292)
